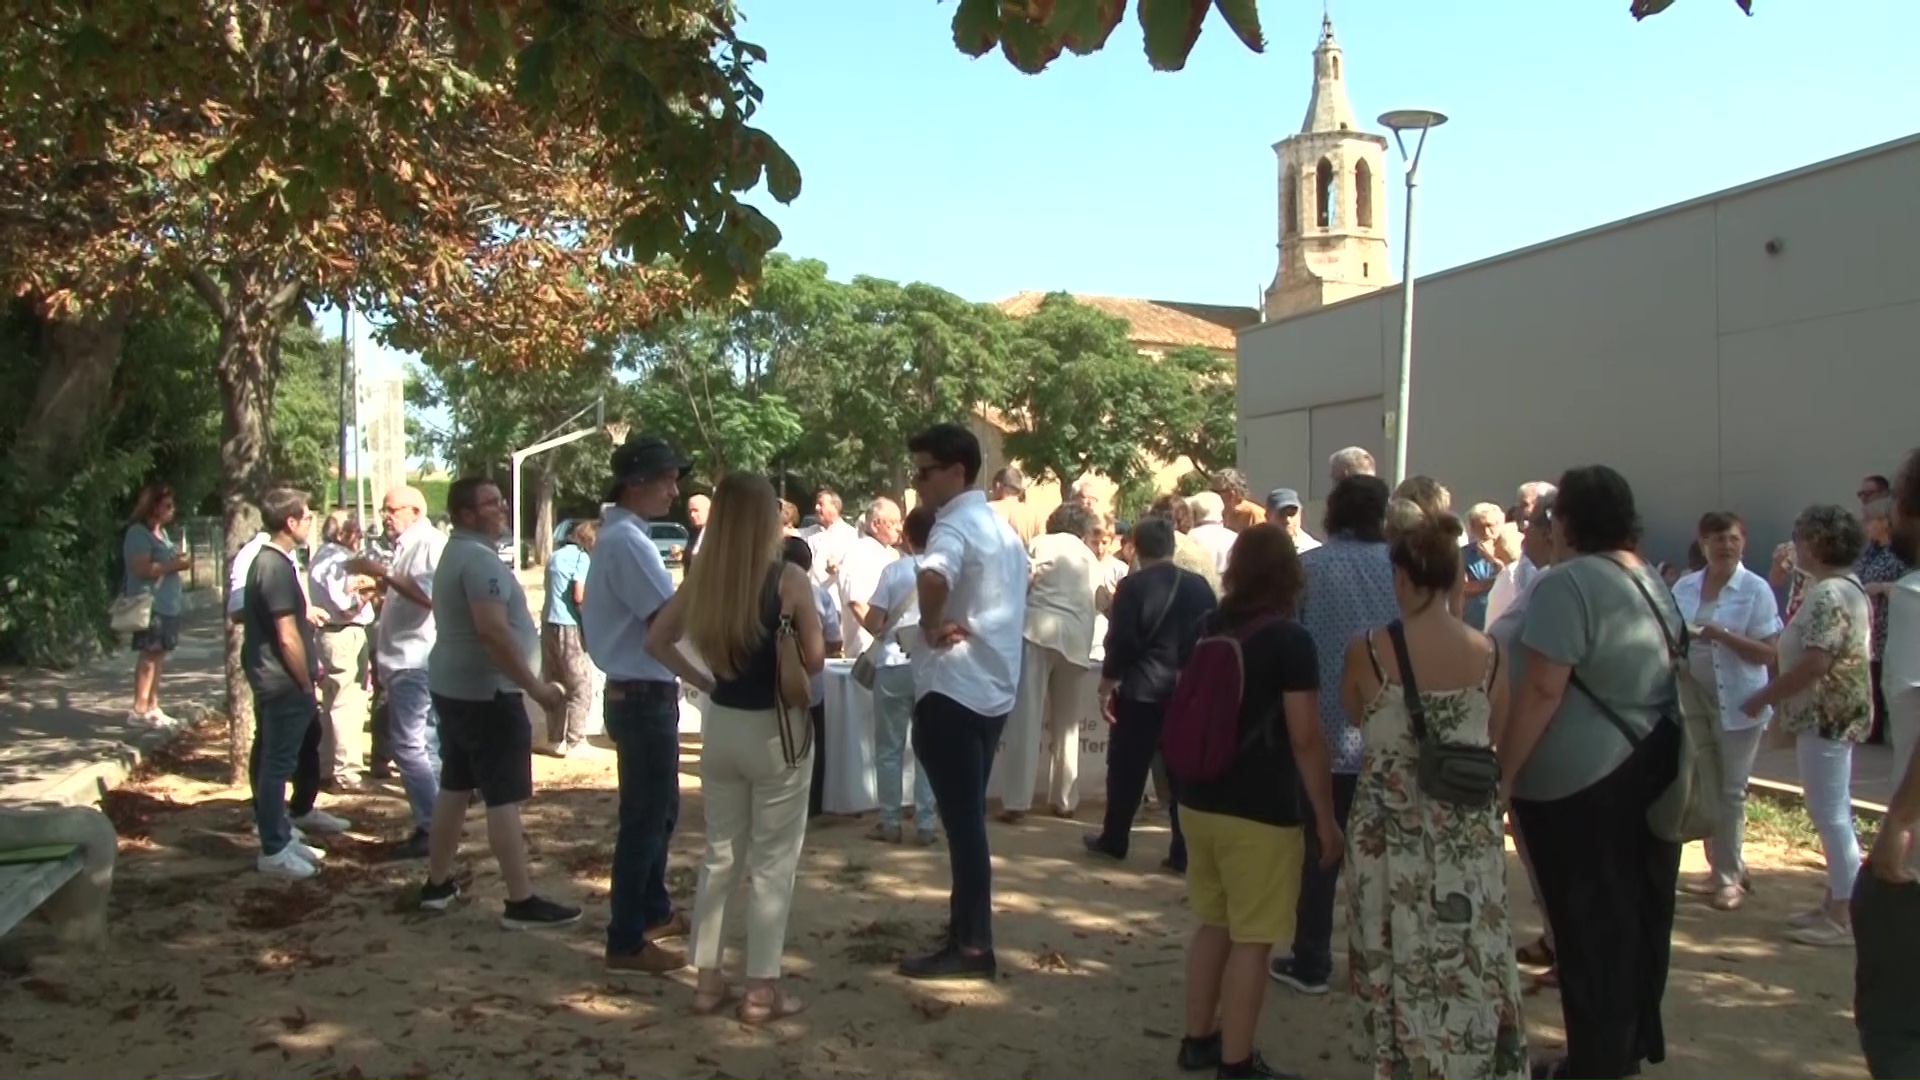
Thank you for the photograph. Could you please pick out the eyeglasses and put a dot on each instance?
(922, 472)
(1868, 494)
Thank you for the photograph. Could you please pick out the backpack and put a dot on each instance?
(1201, 736)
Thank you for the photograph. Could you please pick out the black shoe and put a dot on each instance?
(438, 897)
(1172, 866)
(1254, 1067)
(1096, 846)
(537, 913)
(1288, 973)
(413, 847)
(1199, 1055)
(951, 963)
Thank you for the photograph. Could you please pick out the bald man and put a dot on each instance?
(878, 545)
(403, 637)
(698, 507)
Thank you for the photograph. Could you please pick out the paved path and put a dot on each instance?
(64, 735)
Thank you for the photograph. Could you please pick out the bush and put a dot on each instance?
(60, 561)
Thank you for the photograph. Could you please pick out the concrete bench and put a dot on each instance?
(24, 886)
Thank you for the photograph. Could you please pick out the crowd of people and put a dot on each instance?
(1395, 697)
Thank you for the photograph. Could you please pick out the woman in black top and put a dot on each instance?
(754, 798)
(1245, 843)
(1156, 616)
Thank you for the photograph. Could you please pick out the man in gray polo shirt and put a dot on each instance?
(483, 660)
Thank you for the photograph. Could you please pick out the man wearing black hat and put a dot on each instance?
(626, 586)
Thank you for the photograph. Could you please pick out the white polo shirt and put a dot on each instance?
(984, 565)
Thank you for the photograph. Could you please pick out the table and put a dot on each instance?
(851, 787)
(692, 704)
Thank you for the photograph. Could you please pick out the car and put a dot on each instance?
(671, 538)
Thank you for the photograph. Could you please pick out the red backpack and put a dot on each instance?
(1201, 736)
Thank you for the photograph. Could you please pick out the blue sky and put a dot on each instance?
(1103, 176)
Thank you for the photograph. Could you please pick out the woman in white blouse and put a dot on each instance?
(1735, 624)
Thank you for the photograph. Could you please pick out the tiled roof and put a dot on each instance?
(1156, 323)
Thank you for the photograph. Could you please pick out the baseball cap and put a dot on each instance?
(1282, 499)
(643, 458)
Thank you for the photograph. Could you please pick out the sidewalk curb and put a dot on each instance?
(87, 785)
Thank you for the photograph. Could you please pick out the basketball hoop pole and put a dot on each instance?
(519, 457)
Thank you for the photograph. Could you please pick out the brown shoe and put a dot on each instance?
(1061, 812)
(675, 927)
(650, 960)
(1012, 817)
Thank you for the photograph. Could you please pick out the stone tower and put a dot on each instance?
(1333, 205)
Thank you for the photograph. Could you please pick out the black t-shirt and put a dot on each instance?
(273, 590)
(1264, 783)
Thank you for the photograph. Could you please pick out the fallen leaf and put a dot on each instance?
(297, 1021)
(931, 1008)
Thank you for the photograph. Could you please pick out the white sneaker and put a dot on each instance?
(147, 719)
(160, 716)
(1826, 932)
(322, 822)
(287, 863)
(1802, 920)
(307, 851)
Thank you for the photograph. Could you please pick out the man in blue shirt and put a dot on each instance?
(563, 657)
(626, 586)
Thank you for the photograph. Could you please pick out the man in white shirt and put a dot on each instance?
(1056, 664)
(861, 571)
(698, 507)
(895, 603)
(627, 585)
(831, 539)
(346, 601)
(1210, 527)
(1527, 500)
(973, 606)
(1283, 509)
(403, 639)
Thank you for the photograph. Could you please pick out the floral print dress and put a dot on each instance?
(1431, 947)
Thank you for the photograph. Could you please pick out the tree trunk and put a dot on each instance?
(543, 511)
(247, 366)
(80, 354)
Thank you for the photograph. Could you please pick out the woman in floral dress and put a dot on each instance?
(1431, 948)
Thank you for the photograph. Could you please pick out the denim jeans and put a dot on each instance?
(643, 719)
(306, 770)
(414, 740)
(892, 727)
(1886, 975)
(1826, 773)
(281, 724)
(955, 746)
(1313, 925)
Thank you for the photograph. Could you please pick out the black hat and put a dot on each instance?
(643, 458)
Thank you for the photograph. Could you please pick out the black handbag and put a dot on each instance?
(1467, 776)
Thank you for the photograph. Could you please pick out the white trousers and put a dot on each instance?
(1724, 847)
(1903, 734)
(756, 821)
(1052, 697)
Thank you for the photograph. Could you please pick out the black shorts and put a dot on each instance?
(486, 746)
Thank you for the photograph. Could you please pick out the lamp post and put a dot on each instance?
(617, 431)
(1400, 121)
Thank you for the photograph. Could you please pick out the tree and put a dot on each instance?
(1032, 33)
(1085, 400)
(1198, 421)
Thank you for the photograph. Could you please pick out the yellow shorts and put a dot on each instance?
(1243, 875)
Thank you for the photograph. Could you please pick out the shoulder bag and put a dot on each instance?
(1689, 808)
(1454, 773)
(793, 693)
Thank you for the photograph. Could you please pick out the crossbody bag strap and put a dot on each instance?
(1416, 714)
(1173, 593)
(1676, 655)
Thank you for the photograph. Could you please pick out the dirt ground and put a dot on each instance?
(215, 972)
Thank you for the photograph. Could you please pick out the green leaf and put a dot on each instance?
(976, 26)
(1643, 8)
(1084, 25)
(1171, 26)
(783, 176)
(533, 71)
(1028, 45)
(1244, 17)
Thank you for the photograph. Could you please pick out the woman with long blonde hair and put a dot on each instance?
(754, 790)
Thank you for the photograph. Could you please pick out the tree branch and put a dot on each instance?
(208, 291)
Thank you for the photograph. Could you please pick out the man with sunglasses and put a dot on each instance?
(972, 586)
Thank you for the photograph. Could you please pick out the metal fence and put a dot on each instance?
(205, 539)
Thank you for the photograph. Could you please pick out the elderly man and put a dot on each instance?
(1009, 499)
(830, 539)
(1086, 492)
(1352, 461)
(1210, 528)
(403, 639)
(698, 507)
(1283, 508)
(860, 575)
(1240, 513)
(627, 585)
(346, 600)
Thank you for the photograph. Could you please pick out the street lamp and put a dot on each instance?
(1400, 121)
(616, 430)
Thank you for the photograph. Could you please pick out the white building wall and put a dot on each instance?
(1673, 346)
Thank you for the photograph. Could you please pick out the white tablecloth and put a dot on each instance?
(691, 704)
(850, 784)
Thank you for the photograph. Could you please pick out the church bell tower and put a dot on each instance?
(1333, 207)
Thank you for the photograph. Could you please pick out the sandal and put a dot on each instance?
(1537, 954)
(774, 1006)
(706, 1003)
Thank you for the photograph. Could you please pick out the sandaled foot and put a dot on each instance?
(764, 1007)
(1536, 954)
(708, 1002)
